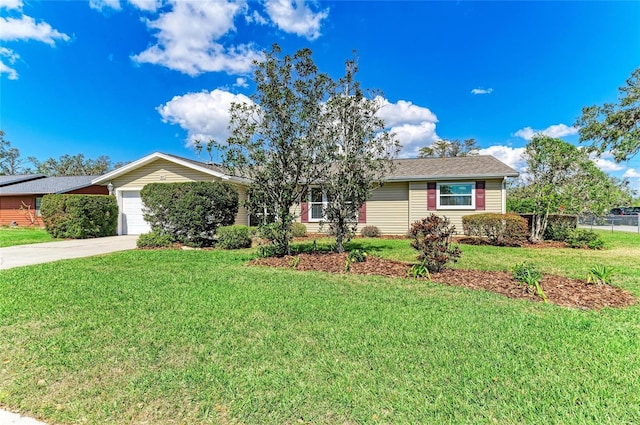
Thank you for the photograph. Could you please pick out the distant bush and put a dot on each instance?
(154, 239)
(583, 238)
(190, 212)
(298, 230)
(370, 231)
(499, 229)
(79, 216)
(432, 237)
(234, 237)
(559, 227)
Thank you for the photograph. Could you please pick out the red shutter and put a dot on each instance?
(304, 212)
(480, 202)
(362, 213)
(431, 196)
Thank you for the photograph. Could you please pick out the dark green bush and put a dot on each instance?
(80, 216)
(559, 227)
(498, 229)
(432, 237)
(298, 230)
(234, 237)
(154, 240)
(190, 212)
(370, 231)
(583, 238)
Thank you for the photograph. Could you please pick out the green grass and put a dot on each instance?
(12, 236)
(196, 337)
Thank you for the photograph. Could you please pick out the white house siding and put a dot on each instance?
(418, 203)
(163, 171)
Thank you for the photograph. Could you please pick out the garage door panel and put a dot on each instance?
(133, 222)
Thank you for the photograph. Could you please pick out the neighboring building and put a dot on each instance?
(451, 187)
(20, 196)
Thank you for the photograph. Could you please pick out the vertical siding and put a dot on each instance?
(10, 210)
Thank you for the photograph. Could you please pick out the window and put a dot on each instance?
(456, 195)
(38, 202)
(317, 202)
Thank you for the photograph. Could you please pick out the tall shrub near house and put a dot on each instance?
(79, 216)
(431, 237)
(189, 212)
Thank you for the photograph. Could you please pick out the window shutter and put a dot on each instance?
(480, 201)
(304, 212)
(431, 196)
(362, 213)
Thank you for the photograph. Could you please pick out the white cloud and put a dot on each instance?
(104, 4)
(11, 4)
(482, 91)
(146, 5)
(606, 163)
(414, 126)
(241, 82)
(186, 39)
(510, 156)
(204, 115)
(404, 112)
(12, 74)
(26, 28)
(558, 130)
(631, 173)
(294, 16)
(257, 18)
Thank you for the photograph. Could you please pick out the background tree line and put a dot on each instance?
(12, 163)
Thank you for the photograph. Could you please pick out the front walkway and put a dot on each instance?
(25, 255)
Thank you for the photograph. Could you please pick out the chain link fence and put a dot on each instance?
(625, 223)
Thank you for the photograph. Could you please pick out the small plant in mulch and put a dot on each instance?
(529, 276)
(600, 275)
(431, 237)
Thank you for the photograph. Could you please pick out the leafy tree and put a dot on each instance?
(362, 153)
(74, 165)
(449, 148)
(276, 142)
(561, 178)
(10, 162)
(615, 127)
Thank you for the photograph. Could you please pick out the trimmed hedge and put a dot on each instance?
(154, 240)
(499, 229)
(189, 212)
(370, 231)
(234, 237)
(79, 216)
(298, 230)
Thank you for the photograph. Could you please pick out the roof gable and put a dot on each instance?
(211, 169)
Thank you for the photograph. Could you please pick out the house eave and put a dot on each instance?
(105, 179)
(450, 177)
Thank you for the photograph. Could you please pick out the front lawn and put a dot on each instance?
(197, 337)
(12, 236)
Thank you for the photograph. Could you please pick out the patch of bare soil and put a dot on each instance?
(560, 290)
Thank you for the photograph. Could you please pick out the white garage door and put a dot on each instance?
(132, 221)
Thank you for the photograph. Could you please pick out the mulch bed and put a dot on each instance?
(560, 290)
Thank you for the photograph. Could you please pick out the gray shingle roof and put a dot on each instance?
(7, 180)
(47, 185)
(481, 166)
(215, 167)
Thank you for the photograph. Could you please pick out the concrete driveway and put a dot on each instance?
(25, 255)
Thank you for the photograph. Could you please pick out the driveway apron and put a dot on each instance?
(25, 255)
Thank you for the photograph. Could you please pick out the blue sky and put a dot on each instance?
(125, 78)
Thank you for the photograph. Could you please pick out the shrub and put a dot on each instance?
(298, 230)
(190, 212)
(559, 227)
(499, 229)
(530, 276)
(154, 239)
(370, 231)
(234, 237)
(583, 238)
(432, 237)
(79, 216)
